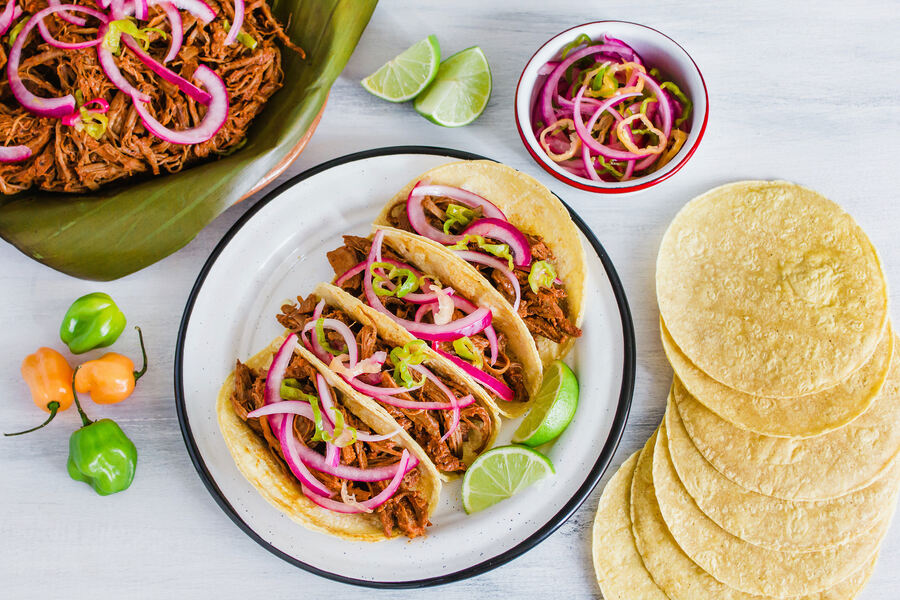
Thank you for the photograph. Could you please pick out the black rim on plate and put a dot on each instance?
(580, 495)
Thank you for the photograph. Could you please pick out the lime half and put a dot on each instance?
(499, 473)
(553, 408)
(459, 92)
(408, 73)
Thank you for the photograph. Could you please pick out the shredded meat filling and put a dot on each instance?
(67, 160)
(426, 427)
(545, 312)
(506, 368)
(406, 512)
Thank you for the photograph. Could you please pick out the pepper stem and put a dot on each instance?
(138, 374)
(53, 407)
(84, 418)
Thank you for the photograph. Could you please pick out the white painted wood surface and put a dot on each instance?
(798, 90)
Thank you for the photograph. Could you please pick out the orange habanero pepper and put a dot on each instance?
(110, 378)
(49, 377)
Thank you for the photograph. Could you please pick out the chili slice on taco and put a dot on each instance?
(314, 451)
(452, 420)
(509, 230)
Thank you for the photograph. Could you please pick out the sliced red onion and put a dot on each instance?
(489, 381)
(9, 13)
(494, 263)
(74, 20)
(198, 8)
(379, 392)
(44, 107)
(551, 86)
(665, 110)
(140, 10)
(416, 213)
(237, 24)
(201, 96)
(584, 131)
(284, 407)
(372, 503)
(216, 112)
(289, 448)
(468, 325)
(177, 29)
(415, 405)
(316, 461)
(350, 273)
(491, 335)
(108, 64)
(342, 329)
(505, 232)
(45, 33)
(275, 375)
(311, 340)
(10, 154)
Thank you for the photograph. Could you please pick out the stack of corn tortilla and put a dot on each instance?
(774, 471)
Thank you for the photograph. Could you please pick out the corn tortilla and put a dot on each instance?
(817, 468)
(742, 565)
(771, 288)
(771, 522)
(620, 571)
(804, 416)
(676, 574)
(533, 209)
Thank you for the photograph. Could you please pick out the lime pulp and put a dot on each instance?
(407, 74)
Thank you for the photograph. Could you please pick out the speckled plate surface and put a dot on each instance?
(278, 249)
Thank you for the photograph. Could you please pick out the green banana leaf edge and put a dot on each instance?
(121, 229)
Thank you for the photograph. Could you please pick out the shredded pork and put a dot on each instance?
(67, 160)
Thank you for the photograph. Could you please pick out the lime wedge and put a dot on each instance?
(459, 92)
(553, 408)
(408, 73)
(499, 473)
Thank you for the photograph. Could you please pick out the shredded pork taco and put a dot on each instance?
(452, 419)
(507, 236)
(401, 283)
(312, 449)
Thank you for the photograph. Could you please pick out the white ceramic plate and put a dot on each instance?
(277, 251)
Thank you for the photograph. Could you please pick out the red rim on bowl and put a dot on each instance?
(527, 135)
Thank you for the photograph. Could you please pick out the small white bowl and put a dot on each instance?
(658, 50)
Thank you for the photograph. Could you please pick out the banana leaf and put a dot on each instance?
(121, 229)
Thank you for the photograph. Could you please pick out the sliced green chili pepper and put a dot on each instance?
(93, 321)
(409, 284)
(458, 215)
(465, 348)
(411, 353)
(581, 39)
(498, 250)
(685, 101)
(100, 454)
(290, 390)
(542, 275)
(243, 37)
(323, 340)
(609, 168)
(112, 41)
(17, 28)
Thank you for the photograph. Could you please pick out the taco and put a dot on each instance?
(312, 449)
(511, 234)
(407, 287)
(452, 419)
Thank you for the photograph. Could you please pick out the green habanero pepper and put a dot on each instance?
(93, 321)
(100, 454)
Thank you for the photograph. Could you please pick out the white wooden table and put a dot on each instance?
(802, 91)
